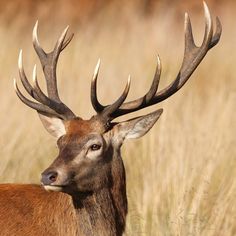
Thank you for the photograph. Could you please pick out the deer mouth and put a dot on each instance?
(53, 188)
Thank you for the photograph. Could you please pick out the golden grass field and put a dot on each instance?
(181, 175)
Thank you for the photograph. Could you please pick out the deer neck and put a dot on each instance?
(103, 212)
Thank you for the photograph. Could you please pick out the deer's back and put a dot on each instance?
(30, 210)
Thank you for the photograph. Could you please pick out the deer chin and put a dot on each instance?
(51, 188)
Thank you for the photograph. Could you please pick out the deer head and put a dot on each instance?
(89, 149)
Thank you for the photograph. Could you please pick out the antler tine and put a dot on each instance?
(189, 40)
(145, 99)
(49, 67)
(41, 53)
(60, 43)
(208, 26)
(106, 111)
(67, 41)
(58, 108)
(37, 46)
(49, 60)
(155, 83)
(217, 34)
(37, 106)
(43, 98)
(193, 55)
(98, 107)
(45, 105)
(111, 109)
(24, 79)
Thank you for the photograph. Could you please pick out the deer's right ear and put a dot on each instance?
(55, 126)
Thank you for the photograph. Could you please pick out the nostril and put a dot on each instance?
(53, 176)
(49, 177)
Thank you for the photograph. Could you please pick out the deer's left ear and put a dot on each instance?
(54, 125)
(135, 128)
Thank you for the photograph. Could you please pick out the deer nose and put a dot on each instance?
(49, 177)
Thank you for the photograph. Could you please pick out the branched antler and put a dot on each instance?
(193, 55)
(50, 105)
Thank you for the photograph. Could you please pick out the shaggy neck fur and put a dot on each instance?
(104, 212)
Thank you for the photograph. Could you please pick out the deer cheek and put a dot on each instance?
(83, 176)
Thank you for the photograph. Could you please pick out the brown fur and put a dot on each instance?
(90, 174)
(93, 200)
(31, 210)
(82, 127)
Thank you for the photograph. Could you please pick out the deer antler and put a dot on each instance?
(52, 104)
(193, 55)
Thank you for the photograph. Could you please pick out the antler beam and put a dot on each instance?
(51, 105)
(193, 55)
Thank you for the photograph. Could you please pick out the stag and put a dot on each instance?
(86, 185)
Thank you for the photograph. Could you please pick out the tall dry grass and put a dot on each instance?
(181, 175)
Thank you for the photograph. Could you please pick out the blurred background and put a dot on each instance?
(181, 175)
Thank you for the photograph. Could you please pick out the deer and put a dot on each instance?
(83, 191)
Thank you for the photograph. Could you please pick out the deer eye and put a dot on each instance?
(95, 147)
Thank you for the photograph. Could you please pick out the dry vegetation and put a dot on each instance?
(181, 176)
